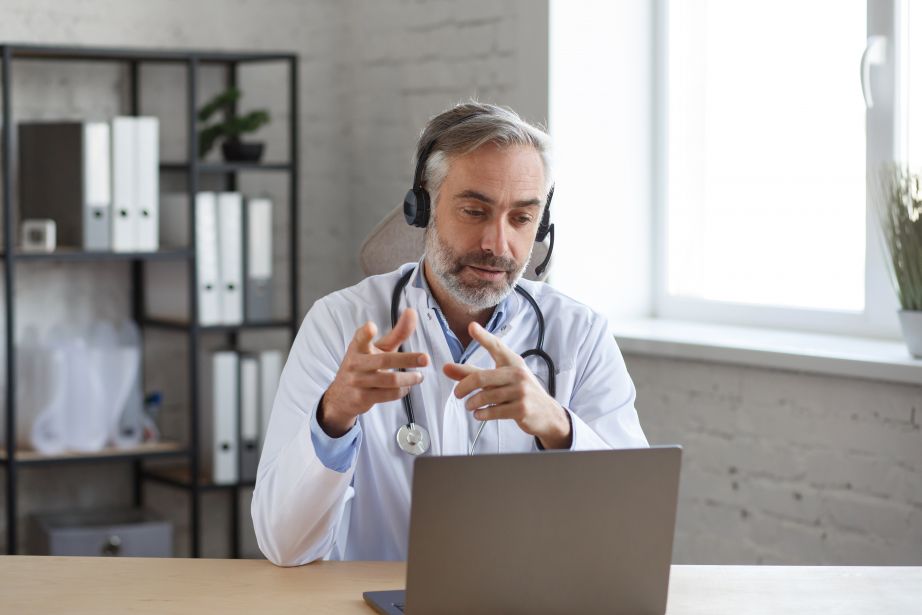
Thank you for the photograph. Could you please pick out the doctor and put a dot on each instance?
(335, 473)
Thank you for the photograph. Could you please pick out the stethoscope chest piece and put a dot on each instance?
(413, 439)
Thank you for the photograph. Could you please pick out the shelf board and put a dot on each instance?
(182, 325)
(178, 476)
(226, 167)
(78, 255)
(151, 450)
(26, 51)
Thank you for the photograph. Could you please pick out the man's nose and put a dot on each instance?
(495, 237)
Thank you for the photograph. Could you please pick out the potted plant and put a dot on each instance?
(230, 129)
(900, 210)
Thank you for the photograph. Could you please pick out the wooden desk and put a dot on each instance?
(224, 587)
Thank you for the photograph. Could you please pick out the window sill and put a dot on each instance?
(851, 357)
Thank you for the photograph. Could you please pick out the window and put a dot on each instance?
(767, 150)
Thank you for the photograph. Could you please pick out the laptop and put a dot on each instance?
(549, 532)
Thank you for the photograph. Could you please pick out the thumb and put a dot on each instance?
(363, 337)
(401, 331)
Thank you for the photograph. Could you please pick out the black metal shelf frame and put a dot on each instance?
(193, 168)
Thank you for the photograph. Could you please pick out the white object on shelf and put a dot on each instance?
(39, 235)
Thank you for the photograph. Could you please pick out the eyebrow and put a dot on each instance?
(478, 196)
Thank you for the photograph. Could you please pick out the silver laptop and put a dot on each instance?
(550, 532)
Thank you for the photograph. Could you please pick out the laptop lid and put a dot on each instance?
(552, 532)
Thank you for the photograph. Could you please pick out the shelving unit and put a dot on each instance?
(188, 453)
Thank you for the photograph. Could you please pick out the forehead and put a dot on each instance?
(491, 166)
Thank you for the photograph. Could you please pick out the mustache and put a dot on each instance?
(485, 260)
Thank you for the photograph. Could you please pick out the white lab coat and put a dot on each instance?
(303, 511)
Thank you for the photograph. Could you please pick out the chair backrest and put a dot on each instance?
(394, 242)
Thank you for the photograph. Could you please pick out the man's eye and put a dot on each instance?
(523, 219)
(473, 212)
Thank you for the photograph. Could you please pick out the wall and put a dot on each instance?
(787, 468)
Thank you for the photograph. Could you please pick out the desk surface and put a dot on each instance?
(130, 585)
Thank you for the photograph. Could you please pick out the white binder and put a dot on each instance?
(249, 417)
(230, 267)
(97, 185)
(225, 406)
(206, 252)
(124, 185)
(147, 183)
(270, 371)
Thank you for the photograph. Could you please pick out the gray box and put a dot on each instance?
(123, 533)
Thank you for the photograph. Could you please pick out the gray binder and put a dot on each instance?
(64, 175)
(258, 285)
(249, 417)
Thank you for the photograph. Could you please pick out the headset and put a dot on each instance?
(417, 204)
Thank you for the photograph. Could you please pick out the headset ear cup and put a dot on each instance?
(416, 207)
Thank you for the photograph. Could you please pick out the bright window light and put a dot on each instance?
(765, 158)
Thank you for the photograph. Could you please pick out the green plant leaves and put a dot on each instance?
(900, 213)
(230, 128)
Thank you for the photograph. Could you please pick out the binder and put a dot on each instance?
(64, 175)
(97, 188)
(206, 248)
(230, 256)
(258, 287)
(249, 417)
(225, 408)
(124, 184)
(270, 371)
(147, 187)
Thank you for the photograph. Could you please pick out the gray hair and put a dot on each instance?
(465, 127)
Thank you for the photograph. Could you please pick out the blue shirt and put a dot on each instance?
(339, 453)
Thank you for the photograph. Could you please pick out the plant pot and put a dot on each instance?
(238, 151)
(911, 324)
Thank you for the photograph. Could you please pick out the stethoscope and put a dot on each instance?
(412, 437)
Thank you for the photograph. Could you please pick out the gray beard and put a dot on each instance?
(447, 266)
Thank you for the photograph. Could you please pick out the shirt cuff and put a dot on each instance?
(337, 454)
(572, 435)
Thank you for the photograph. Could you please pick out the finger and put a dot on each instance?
(401, 331)
(483, 379)
(391, 360)
(501, 411)
(363, 337)
(387, 380)
(492, 396)
(502, 354)
(457, 371)
(381, 396)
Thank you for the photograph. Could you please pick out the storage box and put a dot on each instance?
(125, 533)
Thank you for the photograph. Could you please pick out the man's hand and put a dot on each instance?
(365, 376)
(510, 391)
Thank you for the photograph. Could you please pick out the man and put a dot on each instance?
(335, 474)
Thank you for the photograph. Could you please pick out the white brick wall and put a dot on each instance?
(788, 468)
